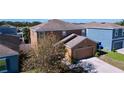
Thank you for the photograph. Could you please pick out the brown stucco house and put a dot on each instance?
(78, 47)
(55, 26)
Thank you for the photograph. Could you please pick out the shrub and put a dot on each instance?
(113, 50)
(97, 54)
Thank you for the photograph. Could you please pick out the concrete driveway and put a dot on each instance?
(103, 67)
(121, 51)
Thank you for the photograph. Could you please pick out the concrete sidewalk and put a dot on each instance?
(121, 51)
(103, 67)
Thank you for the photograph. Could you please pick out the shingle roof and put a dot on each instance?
(55, 25)
(66, 39)
(72, 43)
(101, 25)
(8, 30)
(5, 51)
(73, 40)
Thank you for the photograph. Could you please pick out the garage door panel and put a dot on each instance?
(118, 45)
(83, 53)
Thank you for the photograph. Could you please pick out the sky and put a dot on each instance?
(68, 20)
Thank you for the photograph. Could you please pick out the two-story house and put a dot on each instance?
(55, 26)
(110, 35)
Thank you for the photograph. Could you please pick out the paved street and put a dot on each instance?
(103, 67)
(121, 51)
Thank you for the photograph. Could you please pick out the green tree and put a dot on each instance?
(26, 34)
(46, 57)
(120, 23)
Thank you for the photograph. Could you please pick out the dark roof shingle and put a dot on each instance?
(55, 25)
(5, 51)
(72, 43)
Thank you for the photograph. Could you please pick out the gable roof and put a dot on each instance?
(55, 25)
(68, 38)
(102, 25)
(72, 43)
(5, 51)
(72, 40)
(6, 30)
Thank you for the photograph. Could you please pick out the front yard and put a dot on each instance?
(114, 58)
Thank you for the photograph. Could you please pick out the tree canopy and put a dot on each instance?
(120, 23)
(19, 24)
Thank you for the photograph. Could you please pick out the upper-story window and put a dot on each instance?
(41, 34)
(83, 32)
(116, 32)
(64, 33)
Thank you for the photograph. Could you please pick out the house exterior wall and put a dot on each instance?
(68, 54)
(36, 35)
(12, 63)
(118, 33)
(118, 39)
(60, 35)
(12, 42)
(78, 32)
(101, 35)
(33, 36)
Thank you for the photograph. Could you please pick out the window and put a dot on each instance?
(41, 34)
(64, 33)
(123, 32)
(116, 33)
(83, 32)
(3, 65)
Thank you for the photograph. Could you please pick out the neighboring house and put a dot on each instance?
(110, 35)
(55, 26)
(78, 47)
(10, 41)
(9, 37)
(8, 60)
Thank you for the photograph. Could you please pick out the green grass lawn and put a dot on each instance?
(116, 56)
(2, 65)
